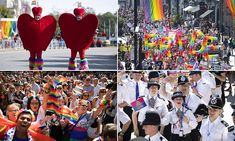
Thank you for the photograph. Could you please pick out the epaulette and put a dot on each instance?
(224, 123)
(172, 109)
(161, 98)
(162, 139)
(205, 117)
(230, 128)
(187, 108)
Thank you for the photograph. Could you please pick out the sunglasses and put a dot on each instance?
(13, 110)
(83, 105)
(34, 103)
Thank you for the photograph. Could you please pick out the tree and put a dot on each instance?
(56, 14)
(104, 20)
(5, 13)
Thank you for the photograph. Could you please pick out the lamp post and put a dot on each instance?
(221, 18)
(135, 34)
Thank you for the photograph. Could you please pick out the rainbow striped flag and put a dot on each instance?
(67, 113)
(60, 81)
(153, 10)
(34, 2)
(53, 102)
(78, 90)
(8, 28)
(231, 6)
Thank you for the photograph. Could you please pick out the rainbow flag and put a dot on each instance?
(78, 90)
(153, 10)
(231, 6)
(60, 81)
(53, 102)
(66, 113)
(34, 2)
(8, 28)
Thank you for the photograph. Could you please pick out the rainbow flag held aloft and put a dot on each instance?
(153, 10)
(66, 113)
(60, 81)
(78, 90)
(53, 102)
(34, 2)
(231, 6)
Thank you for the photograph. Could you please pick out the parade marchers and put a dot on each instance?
(155, 59)
(189, 105)
(89, 115)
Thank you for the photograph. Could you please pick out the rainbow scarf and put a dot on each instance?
(153, 10)
(78, 90)
(231, 6)
(53, 102)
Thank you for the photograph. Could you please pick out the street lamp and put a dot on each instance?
(135, 34)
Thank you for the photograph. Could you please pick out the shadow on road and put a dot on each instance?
(95, 61)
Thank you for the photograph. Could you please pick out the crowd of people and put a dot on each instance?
(61, 106)
(176, 57)
(174, 105)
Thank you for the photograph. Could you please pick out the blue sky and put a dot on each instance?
(100, 6)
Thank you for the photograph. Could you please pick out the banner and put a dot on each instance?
(8, 28)
(153, 10)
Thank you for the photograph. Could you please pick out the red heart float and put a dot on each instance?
(78, 35)
(36, 35)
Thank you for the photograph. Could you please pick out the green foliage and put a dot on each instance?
(5, 13)
(104, 22)
(177, 20)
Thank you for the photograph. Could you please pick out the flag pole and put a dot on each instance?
(109, 28)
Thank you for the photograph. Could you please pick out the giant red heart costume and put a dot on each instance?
(78, 35)
(36, 35)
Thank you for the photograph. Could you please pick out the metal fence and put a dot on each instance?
(12, 44)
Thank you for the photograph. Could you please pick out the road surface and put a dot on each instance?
(104, 58)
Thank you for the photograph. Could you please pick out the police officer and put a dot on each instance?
(150, 124)
(181, 119)
(213, 128)
(231, 129)
(153, 102)
(132, 90)
(153, 76)
(192, 102)
(200, 87)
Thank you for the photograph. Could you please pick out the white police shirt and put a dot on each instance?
(130, 91)
(122, 117)
(159, 106)
(231, 133)
(214, 131)
(121, 96)
(204, 90)
(174, 120)
(156, 137)
(192, 102)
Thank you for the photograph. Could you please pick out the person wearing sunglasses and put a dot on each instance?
(79, 130)
(213, 128)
